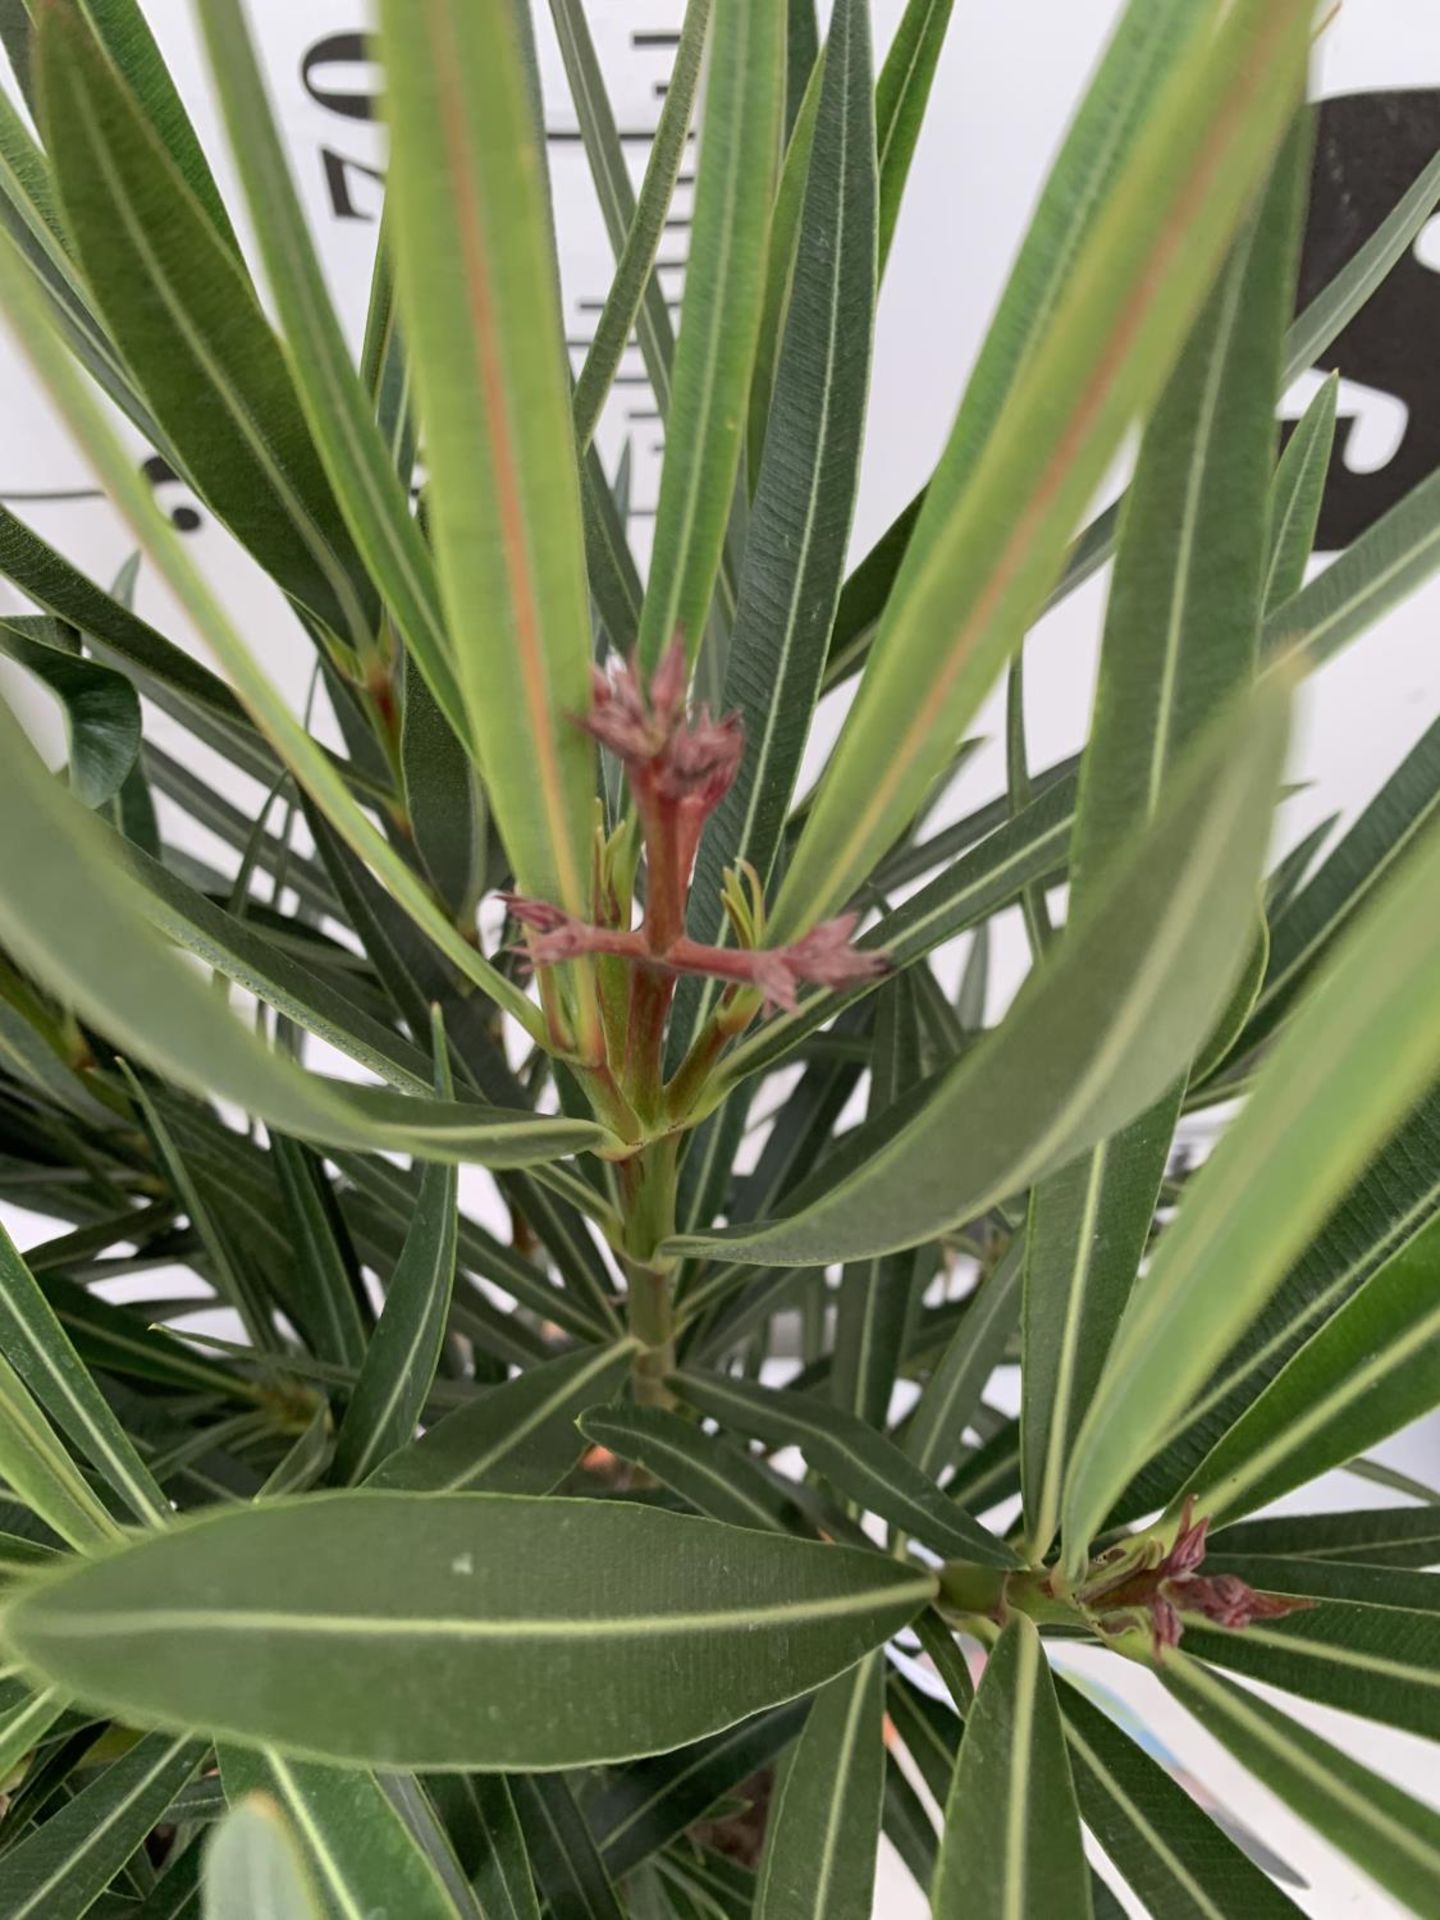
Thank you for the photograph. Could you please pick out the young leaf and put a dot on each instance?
(1177, 1860)
(253, 1868)
(60, 1868)
(452, 1598)
(823, 1833)
(989, 542)
(901, 94)
(1112, 1019)
(518, 1438)
(1295, 496)
(37, 1344)
(1369, 1371)
(861, 1463)
(1389, 1835)
(358, 1851)
(1011, 1844)
(479, 294)
(1365, 1045)
(718, 322)
(57, 875)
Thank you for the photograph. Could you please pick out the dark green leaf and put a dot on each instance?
(1295, 496)
(823, 1832)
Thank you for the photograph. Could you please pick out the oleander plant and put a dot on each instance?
(659, 1546)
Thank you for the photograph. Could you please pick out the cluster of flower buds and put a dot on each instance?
(1173, 1585)
(679, 767)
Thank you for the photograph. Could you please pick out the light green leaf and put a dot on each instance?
(1370, 1370)
(1377, 1536)
(1389, 1835)
(57, 874)
(1365, 1045)
(991, 535)
(517, 1438)
(176, 299)
(805, 491)
(41, 1473)
(1296, 494)
(722, 1480)
(253, 1868)
(1113, 1018)
(860, 1463)
(1011, 1846)
(357, 461)
(101, 708)
(1178, 1861)
(58, 1869)
(824, 1829)
(403, 1351)
(24, 1726)
(36, 1343)
(358, 1851)
(718, 322)
(447, 1599)
(901, 95)
(480, 300)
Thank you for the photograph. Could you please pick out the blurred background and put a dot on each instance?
(1007, 82)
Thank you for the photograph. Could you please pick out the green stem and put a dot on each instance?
(647, 1185)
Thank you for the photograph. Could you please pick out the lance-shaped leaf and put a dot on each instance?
(1095, 1037)
(179, 305)
(1180, 639)
(933, 1438)
(479, 295)
(358, 1851)
(724, 279)
(992, 544)
(823, 1832)
(901, 94)
(479, 1814)
(518, 1438)
(334, 1320)
(1364, 1046)
(861, 1463)
(57, 874)
(101, 708)
(805, 491)
(570, 1876)
(720, 1479)
(24, 1725)
(63, 1866)
(336, 407)
(1011, 1844)
(1176, 1859)
(1370, 1370)
(1295, 497)
(593, 1630)
(1369, 1536)
(1389, 1835)
(42, 1474)
(254, 1869)
(39, 1347)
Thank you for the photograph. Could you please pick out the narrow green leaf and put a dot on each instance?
(36, 1343)
(805, 490)
(1295, 496)
(1370, 1370)
(862, 1464)
(25, 1725)
(569, 1873)
(101, 708)
(358, 1851)
(58, 1870)
(58, 874)
(304, 1461)
(253, 1868)
(359, 466)
(479, 1813)
(403, 1351)
(1378, 1536)
(41, 1473)
(517, 1438)
(823, 1834)
(1170, 932)
(479, 295)
(784, 226)
(901, 95)
(1389, 1835)
(1367, 1586)
(453, 1598)
(721, 1480)
(442, 797)
(719, 319)
(991, 535)
(1011, 1846)
(1365, 1044)
(874, 1305)
(176, 299)
(1177, 1860)
(325, 1262)
(952, 1393)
